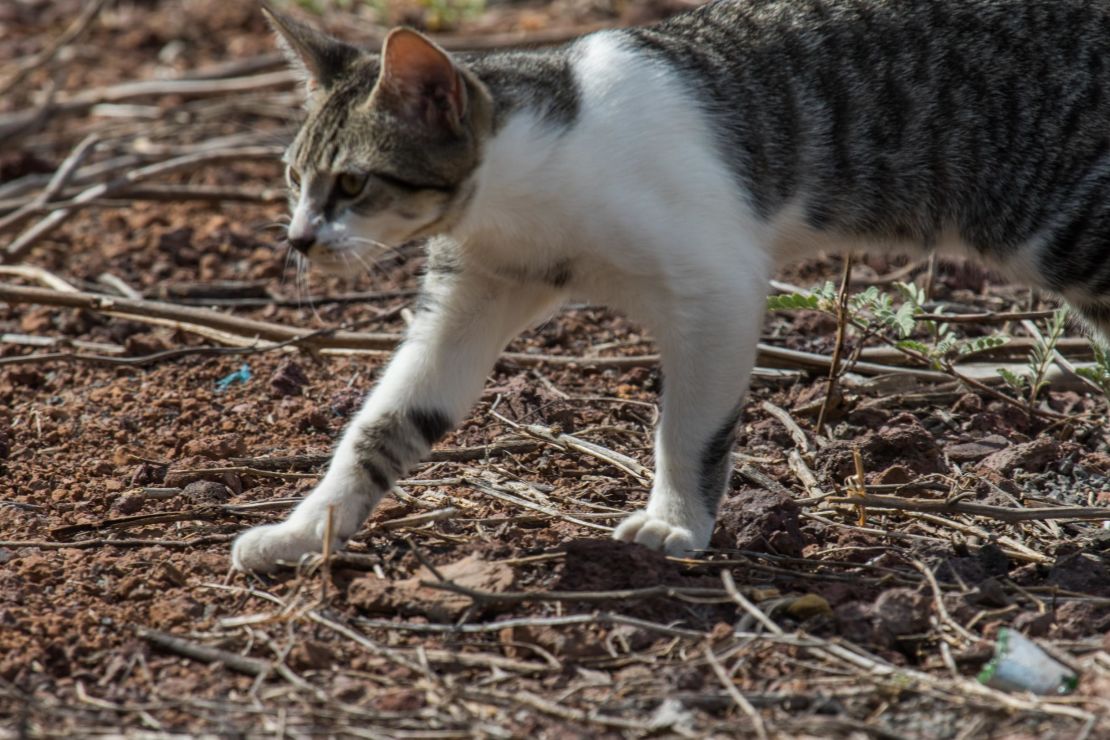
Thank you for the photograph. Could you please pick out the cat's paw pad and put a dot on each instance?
(656, 533)
(259, 550)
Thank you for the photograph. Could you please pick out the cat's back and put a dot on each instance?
(902, 119)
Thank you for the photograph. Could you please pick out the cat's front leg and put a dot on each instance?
(708, 347)
(463, 323)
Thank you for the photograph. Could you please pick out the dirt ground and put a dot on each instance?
(485, 598)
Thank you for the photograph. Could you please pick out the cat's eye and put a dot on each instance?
(294, 178)
(351, 184)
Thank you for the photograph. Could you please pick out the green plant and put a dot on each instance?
(877, 313)
(1099, 373)
(1043, 352)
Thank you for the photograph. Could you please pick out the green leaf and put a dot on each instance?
(1015, 381)
(915, 346)
(792, 302)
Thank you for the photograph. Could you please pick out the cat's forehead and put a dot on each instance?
(337, 121)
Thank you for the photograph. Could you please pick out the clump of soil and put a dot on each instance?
(903, 440)
(761, 521)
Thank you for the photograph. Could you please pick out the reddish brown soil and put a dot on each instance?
(363, 648)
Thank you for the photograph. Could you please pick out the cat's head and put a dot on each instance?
(390, 145)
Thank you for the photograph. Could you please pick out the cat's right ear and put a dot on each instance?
(321, 58)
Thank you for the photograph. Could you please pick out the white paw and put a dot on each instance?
(658, 534)
(259, 549)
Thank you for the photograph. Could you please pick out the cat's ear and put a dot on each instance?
(321, 58)
(421, 81)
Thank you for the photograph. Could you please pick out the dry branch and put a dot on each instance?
(57, 183)
(25, 241)
(248, 331)
(203, 653)
(1001, 513)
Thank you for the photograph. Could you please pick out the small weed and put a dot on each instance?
(877, 313)
(1099, 373)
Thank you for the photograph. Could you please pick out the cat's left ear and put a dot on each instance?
(421, 79)
(321, 58)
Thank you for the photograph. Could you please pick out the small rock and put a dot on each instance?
(761, 521)
(1075, 619)
(1084, 572)
(1033, 624)
(989, 593)
(895, 475)
(855, 624)
(288, 379)
(218, 447)
(994, 559)
(203, 492)
(129, 504)
(312, 419)
(146, 474)
(1032, 457)
(345, 402)
(311, 655)
(377, 595)
(807, 606)
(145, 344)
(902, 611)
(968, 404)
(976, 450)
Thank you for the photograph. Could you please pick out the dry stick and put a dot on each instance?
(117, 284)
(570, 442)
(211, 539)
(838, 348)
(56, 184)
(79, 25)
(22, 244)
(38, 274)
(1014, 347)
(745, 705)
(158, 193)
(517, 597)
(987, 317)
(1001, 513)
(248, 330)
(81, 102)
(487, 488)
(203, 653)
(796, 433)
(574, 619)
(14, 193)
(938, 600)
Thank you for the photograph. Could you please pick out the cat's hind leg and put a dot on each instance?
(708, 343)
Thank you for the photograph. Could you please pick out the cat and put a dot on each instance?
(666, 171)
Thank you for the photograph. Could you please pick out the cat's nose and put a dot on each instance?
(302, 242)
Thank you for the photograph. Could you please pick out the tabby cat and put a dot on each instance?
(666, 171)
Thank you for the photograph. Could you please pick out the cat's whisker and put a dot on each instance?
(370, 266)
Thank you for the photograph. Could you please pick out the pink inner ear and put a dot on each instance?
(411, 61)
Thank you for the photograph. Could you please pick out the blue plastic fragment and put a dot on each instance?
(242, 375)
